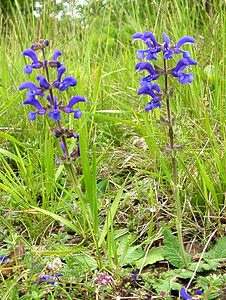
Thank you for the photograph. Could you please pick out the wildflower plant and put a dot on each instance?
(167, 52)
(41, 97)
(46, 102)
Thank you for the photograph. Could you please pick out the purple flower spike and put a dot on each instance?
(184, 294)
(53, 107)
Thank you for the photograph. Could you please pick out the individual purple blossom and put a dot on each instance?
(31, 100)
(146, 66)
(154, 103)
(148, 88)
(62, 85)
(34, 90)
(36, 64)
(57, 107)
(43, 83)
(150, 41)
(169, 50)
(55, 62)
(183, 78)
(103, 279)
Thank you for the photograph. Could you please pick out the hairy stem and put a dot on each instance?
(175, 187)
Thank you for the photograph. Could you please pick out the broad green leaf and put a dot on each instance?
(132, 255)
(218, 251)
(154, 255)
(172, 249)
(86, 261)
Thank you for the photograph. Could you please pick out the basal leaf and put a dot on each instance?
(218, 251)
(132, 255)
(154, 255)
(172, 249)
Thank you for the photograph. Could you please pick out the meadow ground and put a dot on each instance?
(114, 223)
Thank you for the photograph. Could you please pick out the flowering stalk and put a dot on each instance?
(64, 147)
(152, 89)
(53, 108)
(175, 186)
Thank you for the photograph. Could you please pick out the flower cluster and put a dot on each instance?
(151, 53)
(103, 279)
(44, 88)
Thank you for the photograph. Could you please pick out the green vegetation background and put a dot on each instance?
(97, 50)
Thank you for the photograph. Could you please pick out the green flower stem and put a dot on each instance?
(70, 168)
(175, 186)
(70, 165)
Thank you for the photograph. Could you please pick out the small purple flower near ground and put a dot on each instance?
(3, 259)
(103, 279)
(52, 279)
(186, 296)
